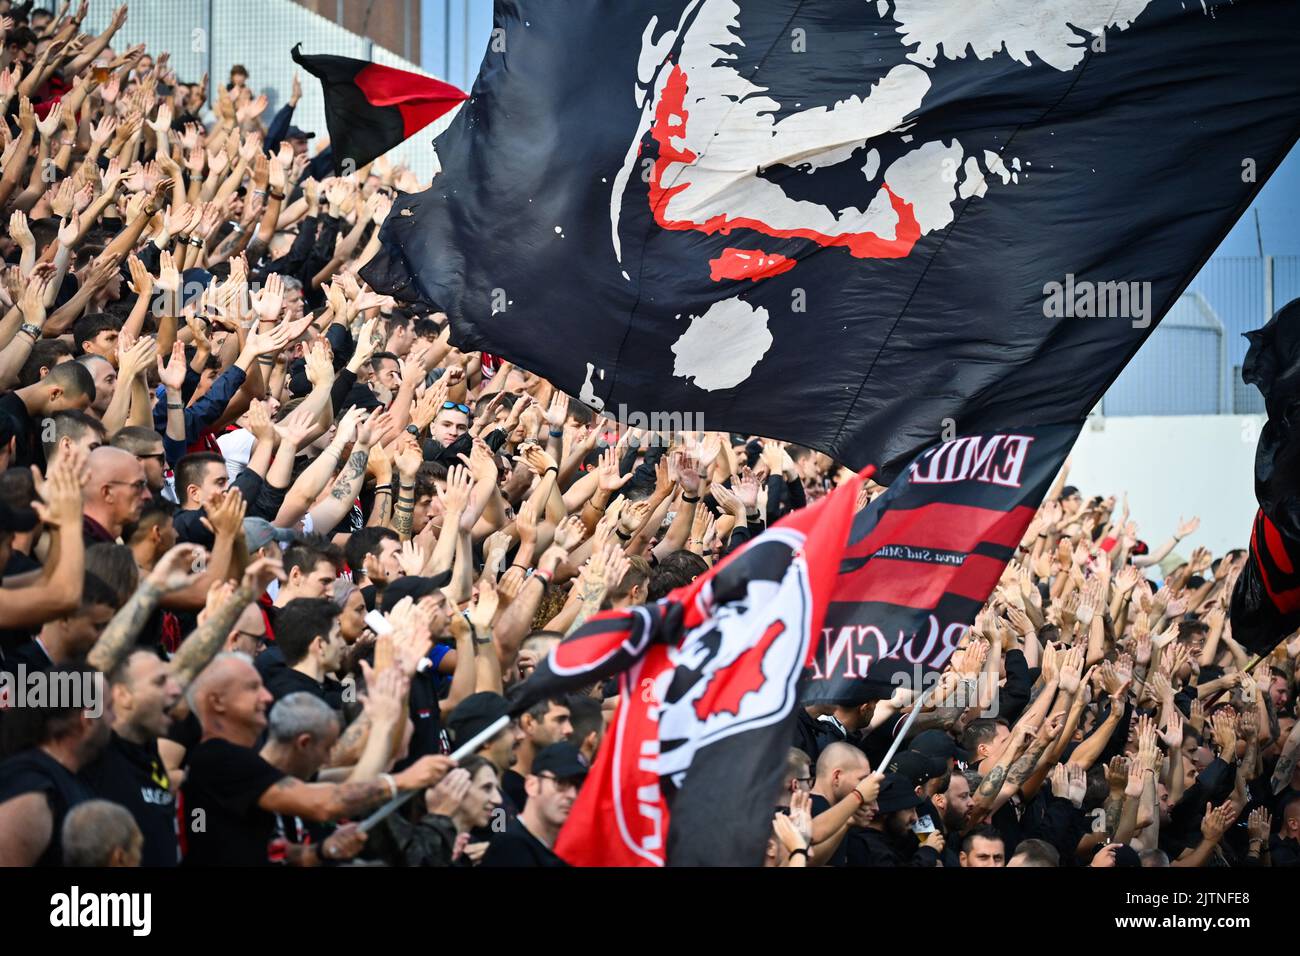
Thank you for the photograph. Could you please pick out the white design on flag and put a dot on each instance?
(731, 127)
(723, 345)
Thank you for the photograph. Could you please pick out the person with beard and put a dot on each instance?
(130, 771)
(930, 776)
(951, 807)
(40, 782)
(843, 795)
(888, 839)
(553, 784)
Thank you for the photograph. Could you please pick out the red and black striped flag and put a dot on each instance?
(923, 558)
(708, 691)
(1266, 600)
(370, 108)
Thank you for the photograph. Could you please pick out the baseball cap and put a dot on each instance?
(562, 760)
(413, 586)
(296, 133)
(936, 743)
(474, 714)
(1069, 491)
(918, 767)
(896, 793)
(258, 533)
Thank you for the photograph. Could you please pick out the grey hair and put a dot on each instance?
(301, 713)
(94, 829)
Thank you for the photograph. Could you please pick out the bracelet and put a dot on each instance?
(392, 784)
(862, 801)
(33, 330)
(195, 241)
(553, 468)
(689, 500)
(622, 536)
(543, 576)
(259, 192)
(800, 849)
(174, 405)
(557, 432)
(279, 197)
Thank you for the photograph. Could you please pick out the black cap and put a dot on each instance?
(296, 133)
(562, 761)
(937, 743)
(17, 519)
(896, 793)
(475, 714)
(190, 528)
(1069, 491)
(413, 586)
(1127, 856)
(918, 767)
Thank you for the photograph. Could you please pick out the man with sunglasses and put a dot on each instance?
(449, 434)
(529, 839)
(114, 495)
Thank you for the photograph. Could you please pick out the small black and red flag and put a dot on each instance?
(708, 696)
(1266, 599)
(923, 558)
(370, 108)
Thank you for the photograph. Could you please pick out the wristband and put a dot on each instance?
(543, 576)
(553, 468)
(689, 500)
(33, 330)
(259, 192)
(557, 432)
(392, 784)
(276, 196)
(862, 801)
(622, 536)
(174, 405)
(800, 849)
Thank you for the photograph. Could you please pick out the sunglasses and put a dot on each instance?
(460, 407)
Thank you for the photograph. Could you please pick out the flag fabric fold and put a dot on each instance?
(1266, 600)
(708, 690)
(370, 108)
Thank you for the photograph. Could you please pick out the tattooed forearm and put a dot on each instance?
(1286, 763)
(343, 488)
(202, 645)
(356, 797)
(119, 637)
(991, 785)
(1114, 805)
(1022, 768)
(347, 749)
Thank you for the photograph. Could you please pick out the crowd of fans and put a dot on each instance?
(298, 547)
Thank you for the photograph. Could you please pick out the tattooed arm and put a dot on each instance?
(1286, 763)
(322, 802)
(204, 643)
(173, 572)
(119, 637)
(991, 787)
(329, 512)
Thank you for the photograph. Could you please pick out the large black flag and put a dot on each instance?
(844, 223)
(1266, 600)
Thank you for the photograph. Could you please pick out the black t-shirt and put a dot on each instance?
(517, 847)
(19, 563)
(135, 776)
(27, 444)
(35, 771)
(225, 782)
(512, 785)
(426, 716)
(841, 856)
(283, 681)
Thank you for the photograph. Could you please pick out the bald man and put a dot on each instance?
(843, 796)
(1285, 847)
(235, 793)
(114, 495)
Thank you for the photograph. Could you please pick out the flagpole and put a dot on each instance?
(471, 745)
(907, 725)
